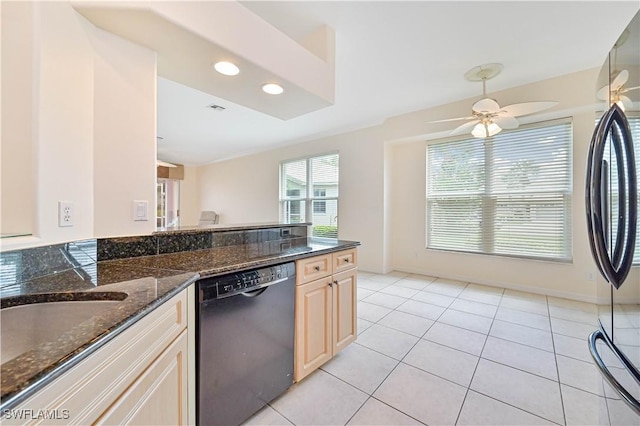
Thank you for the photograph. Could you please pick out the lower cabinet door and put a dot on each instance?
(314, 302)
(159, 395)
(345, 328)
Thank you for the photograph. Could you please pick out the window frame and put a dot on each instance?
(309, 198)
(568, 197)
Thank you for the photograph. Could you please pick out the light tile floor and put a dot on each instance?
(442, 352)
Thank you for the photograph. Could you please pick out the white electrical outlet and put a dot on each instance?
(65, 213)
(591, 276)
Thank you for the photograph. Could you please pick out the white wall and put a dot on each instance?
(575, 94)
(93, 127)
(124, 111)
(382, 194)
(246, 189)
(190, 197)
(64, 121)
(18, 177)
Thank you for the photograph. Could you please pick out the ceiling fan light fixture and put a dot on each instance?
(226, 68)
(488, 118)
(483, 130)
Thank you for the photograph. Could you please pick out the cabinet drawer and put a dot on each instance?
(158, 396)
(344, 260)
(313, 268)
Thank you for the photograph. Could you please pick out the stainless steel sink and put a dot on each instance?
(24, 327)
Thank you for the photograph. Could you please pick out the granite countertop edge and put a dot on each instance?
(49, 373)
(10, 401)
(225, 227)
(274, 260)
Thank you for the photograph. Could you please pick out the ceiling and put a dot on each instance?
(393, 58)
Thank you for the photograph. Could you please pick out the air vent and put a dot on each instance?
(216, 107)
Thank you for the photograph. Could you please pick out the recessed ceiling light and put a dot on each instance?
(226, 68)
(272, 88)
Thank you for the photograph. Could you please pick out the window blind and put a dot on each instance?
(309, 193)
(509, 194)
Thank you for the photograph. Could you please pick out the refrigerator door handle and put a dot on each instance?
(614, 260)
(633, 403)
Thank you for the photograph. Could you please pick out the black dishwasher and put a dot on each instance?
(245, 336)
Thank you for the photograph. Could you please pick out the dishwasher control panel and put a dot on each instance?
(242, 282)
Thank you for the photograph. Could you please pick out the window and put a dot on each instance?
(293, 207)
(509, 194)
(319, 206)
(309, 193)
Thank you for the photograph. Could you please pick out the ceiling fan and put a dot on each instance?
(488, 118)
(615, 91)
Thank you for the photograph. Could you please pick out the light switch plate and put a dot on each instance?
(140, 210)
(65, 213)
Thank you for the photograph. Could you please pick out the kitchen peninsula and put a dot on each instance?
(139, 276)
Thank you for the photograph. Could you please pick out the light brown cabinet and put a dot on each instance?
(325, 309)
(139, 377)
(159, 395)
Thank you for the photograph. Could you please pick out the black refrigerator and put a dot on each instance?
(612, 216)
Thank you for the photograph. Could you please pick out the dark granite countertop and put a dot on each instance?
(221, 260)
(225, 227)
(148, 281)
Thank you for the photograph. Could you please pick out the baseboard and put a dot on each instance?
(511, 286)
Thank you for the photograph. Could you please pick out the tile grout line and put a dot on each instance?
(395, 367)
(494, 318)
(390, 372)
(465, 352)
(487, 335)
(476, 367)
(347, 383)
(479, 357)
(515, 407)
(555, 357)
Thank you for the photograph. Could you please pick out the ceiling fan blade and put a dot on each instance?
(486, 105)
(452, 119)
(465, 128)
(630, 88)
(620, 79)
(506, 122)
(525, 108)
(603, 93)
(628, 104)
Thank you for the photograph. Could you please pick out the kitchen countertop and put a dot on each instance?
(148, 281)
(224, 227)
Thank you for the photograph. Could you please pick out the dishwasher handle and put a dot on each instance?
(258, 290)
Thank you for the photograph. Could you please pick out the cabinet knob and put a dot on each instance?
(317, 268)
(346, 260)
(330, 283)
